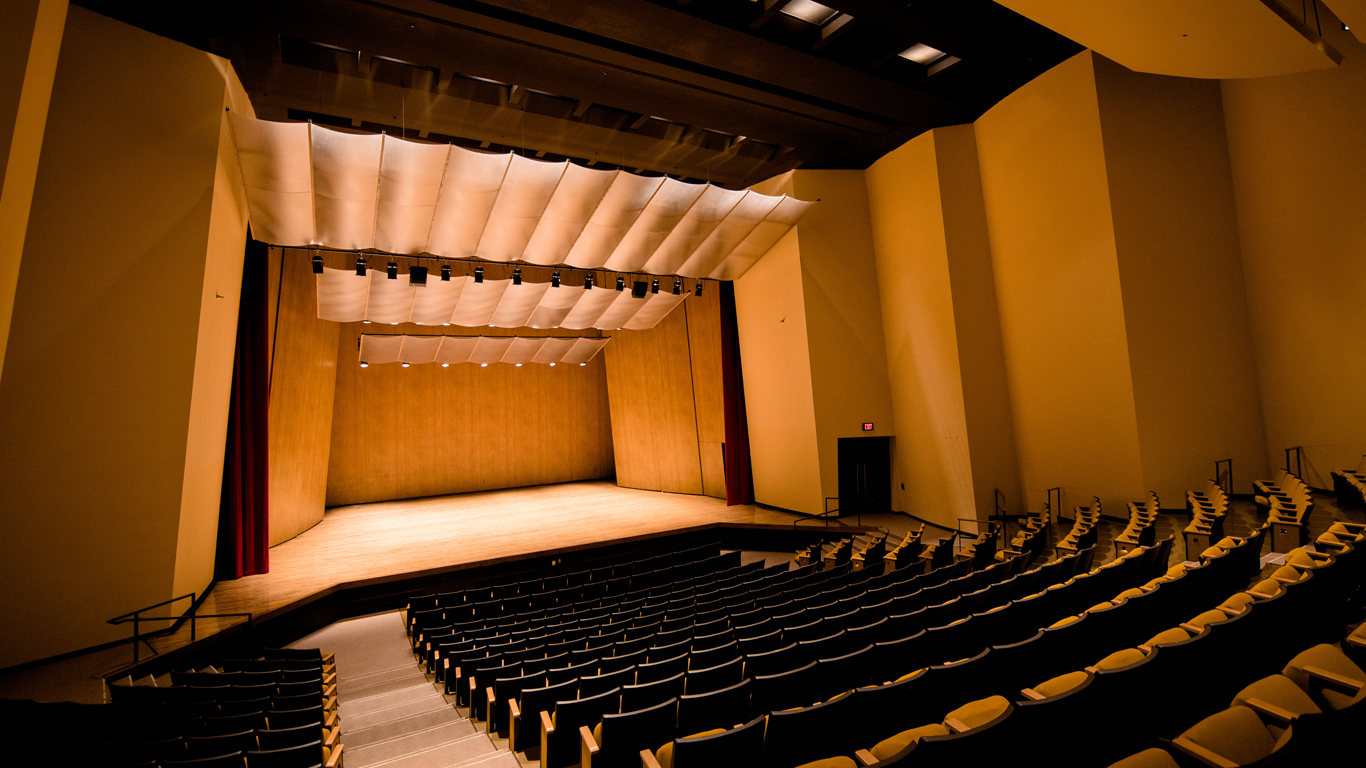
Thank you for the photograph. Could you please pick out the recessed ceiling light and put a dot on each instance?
(552, 365)
(583, 363)
(922, 54)
(364, 364)
(445, 323)
(405, 365)
(808, 11)
(483, 365)
(445, 365)
(519, 365)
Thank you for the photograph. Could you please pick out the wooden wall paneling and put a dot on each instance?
(303, 378)
(704, 343)
(401, 433)
(654, 420)
(274, 265)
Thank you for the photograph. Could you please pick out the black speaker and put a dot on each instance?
(638, 289)
(417, 276)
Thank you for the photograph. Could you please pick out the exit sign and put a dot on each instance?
(867, 426)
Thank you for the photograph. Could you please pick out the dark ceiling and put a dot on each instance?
(728, 91)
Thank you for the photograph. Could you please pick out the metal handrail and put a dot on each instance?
(137, 618)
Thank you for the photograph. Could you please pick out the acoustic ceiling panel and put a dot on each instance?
(308, 185)
(345, 297)
(377, 349)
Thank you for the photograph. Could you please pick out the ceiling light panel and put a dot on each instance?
(922, 54)
(807, 11)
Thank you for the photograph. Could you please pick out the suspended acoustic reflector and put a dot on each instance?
(448, 350)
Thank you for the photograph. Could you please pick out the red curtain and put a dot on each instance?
(739, 477)
(243, 530)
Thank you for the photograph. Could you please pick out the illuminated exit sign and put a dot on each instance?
(867, 426)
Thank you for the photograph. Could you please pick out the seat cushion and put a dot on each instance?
(1280, 691)
(1176, 571)
(1064, 622)
(1236, 733)
(1238, 602)
(1120, 659)
(1343, 532)
(1228, 542)
(1208, 617)
(888, 747)
(1056, 686)
(1287, 572)
(975, 714)
(1213, 552)
(1267, 587)
(1130, 592)
(1173, 635)
(1300, 558)
(665, 754)
(1101, 606)
(1328, 658)
(1148, 758)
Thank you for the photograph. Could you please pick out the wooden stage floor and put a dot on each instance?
(369, 541)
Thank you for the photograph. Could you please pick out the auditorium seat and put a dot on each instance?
(742, 745)
(646, 695)
(812, 734)
(616, 741)
(559, 730)
(1236, 736)
(1330, 678)
(722, 708)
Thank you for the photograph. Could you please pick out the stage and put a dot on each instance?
(372, 541)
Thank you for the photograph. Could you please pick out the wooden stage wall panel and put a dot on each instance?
(665, 389)
(303, 375)
(402, 433)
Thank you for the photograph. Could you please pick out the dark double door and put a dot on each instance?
(865, 470)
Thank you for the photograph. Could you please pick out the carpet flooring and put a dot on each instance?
(392, 714)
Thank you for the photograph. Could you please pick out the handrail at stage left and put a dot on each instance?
(137, 618)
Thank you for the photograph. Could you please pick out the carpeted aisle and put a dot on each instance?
(392, 715)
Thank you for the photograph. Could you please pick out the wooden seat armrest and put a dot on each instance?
(647, 759)
(330, 691)
(588, 747)
(1012, 552)
(1191, 628)
(330, 658)
(1092, 670)
(1270, 710)
(333, 736)
(546, 725)
(335, 759)
(330, 720)
(330, 678)
(1147, 649)
(955, 725)
(864, 757)
(1226, 610)
(513, 709)
(1339, 546)
(330, 703)
(1359, 526)
(1286, 580)
(1032, 695)
(1334, 678)
(1359, 642)
(1200, 753)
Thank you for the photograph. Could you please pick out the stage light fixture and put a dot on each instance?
(478, 274)
(588, 282)
(360, 266)
(678, 286)
(445, 273)
(698, 290)
(392, 269)
(654, 286)
(621, 283)
(417, 276)
(555, 279)
(364, 364)
(516, 277)
(405, 365)
(317, 264)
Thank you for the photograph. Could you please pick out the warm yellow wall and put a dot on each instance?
(771, 317)
(1058, 288)
(99, 417)
(1185, 310)
(30, 40)
(932, 457)
(1299, 177)
(848, 357)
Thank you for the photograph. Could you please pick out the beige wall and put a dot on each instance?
(847, 354)
(1048, 214)
(30, 40)
(1299, 178)
(1185, 311)
(132, 225)
(771, 320)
